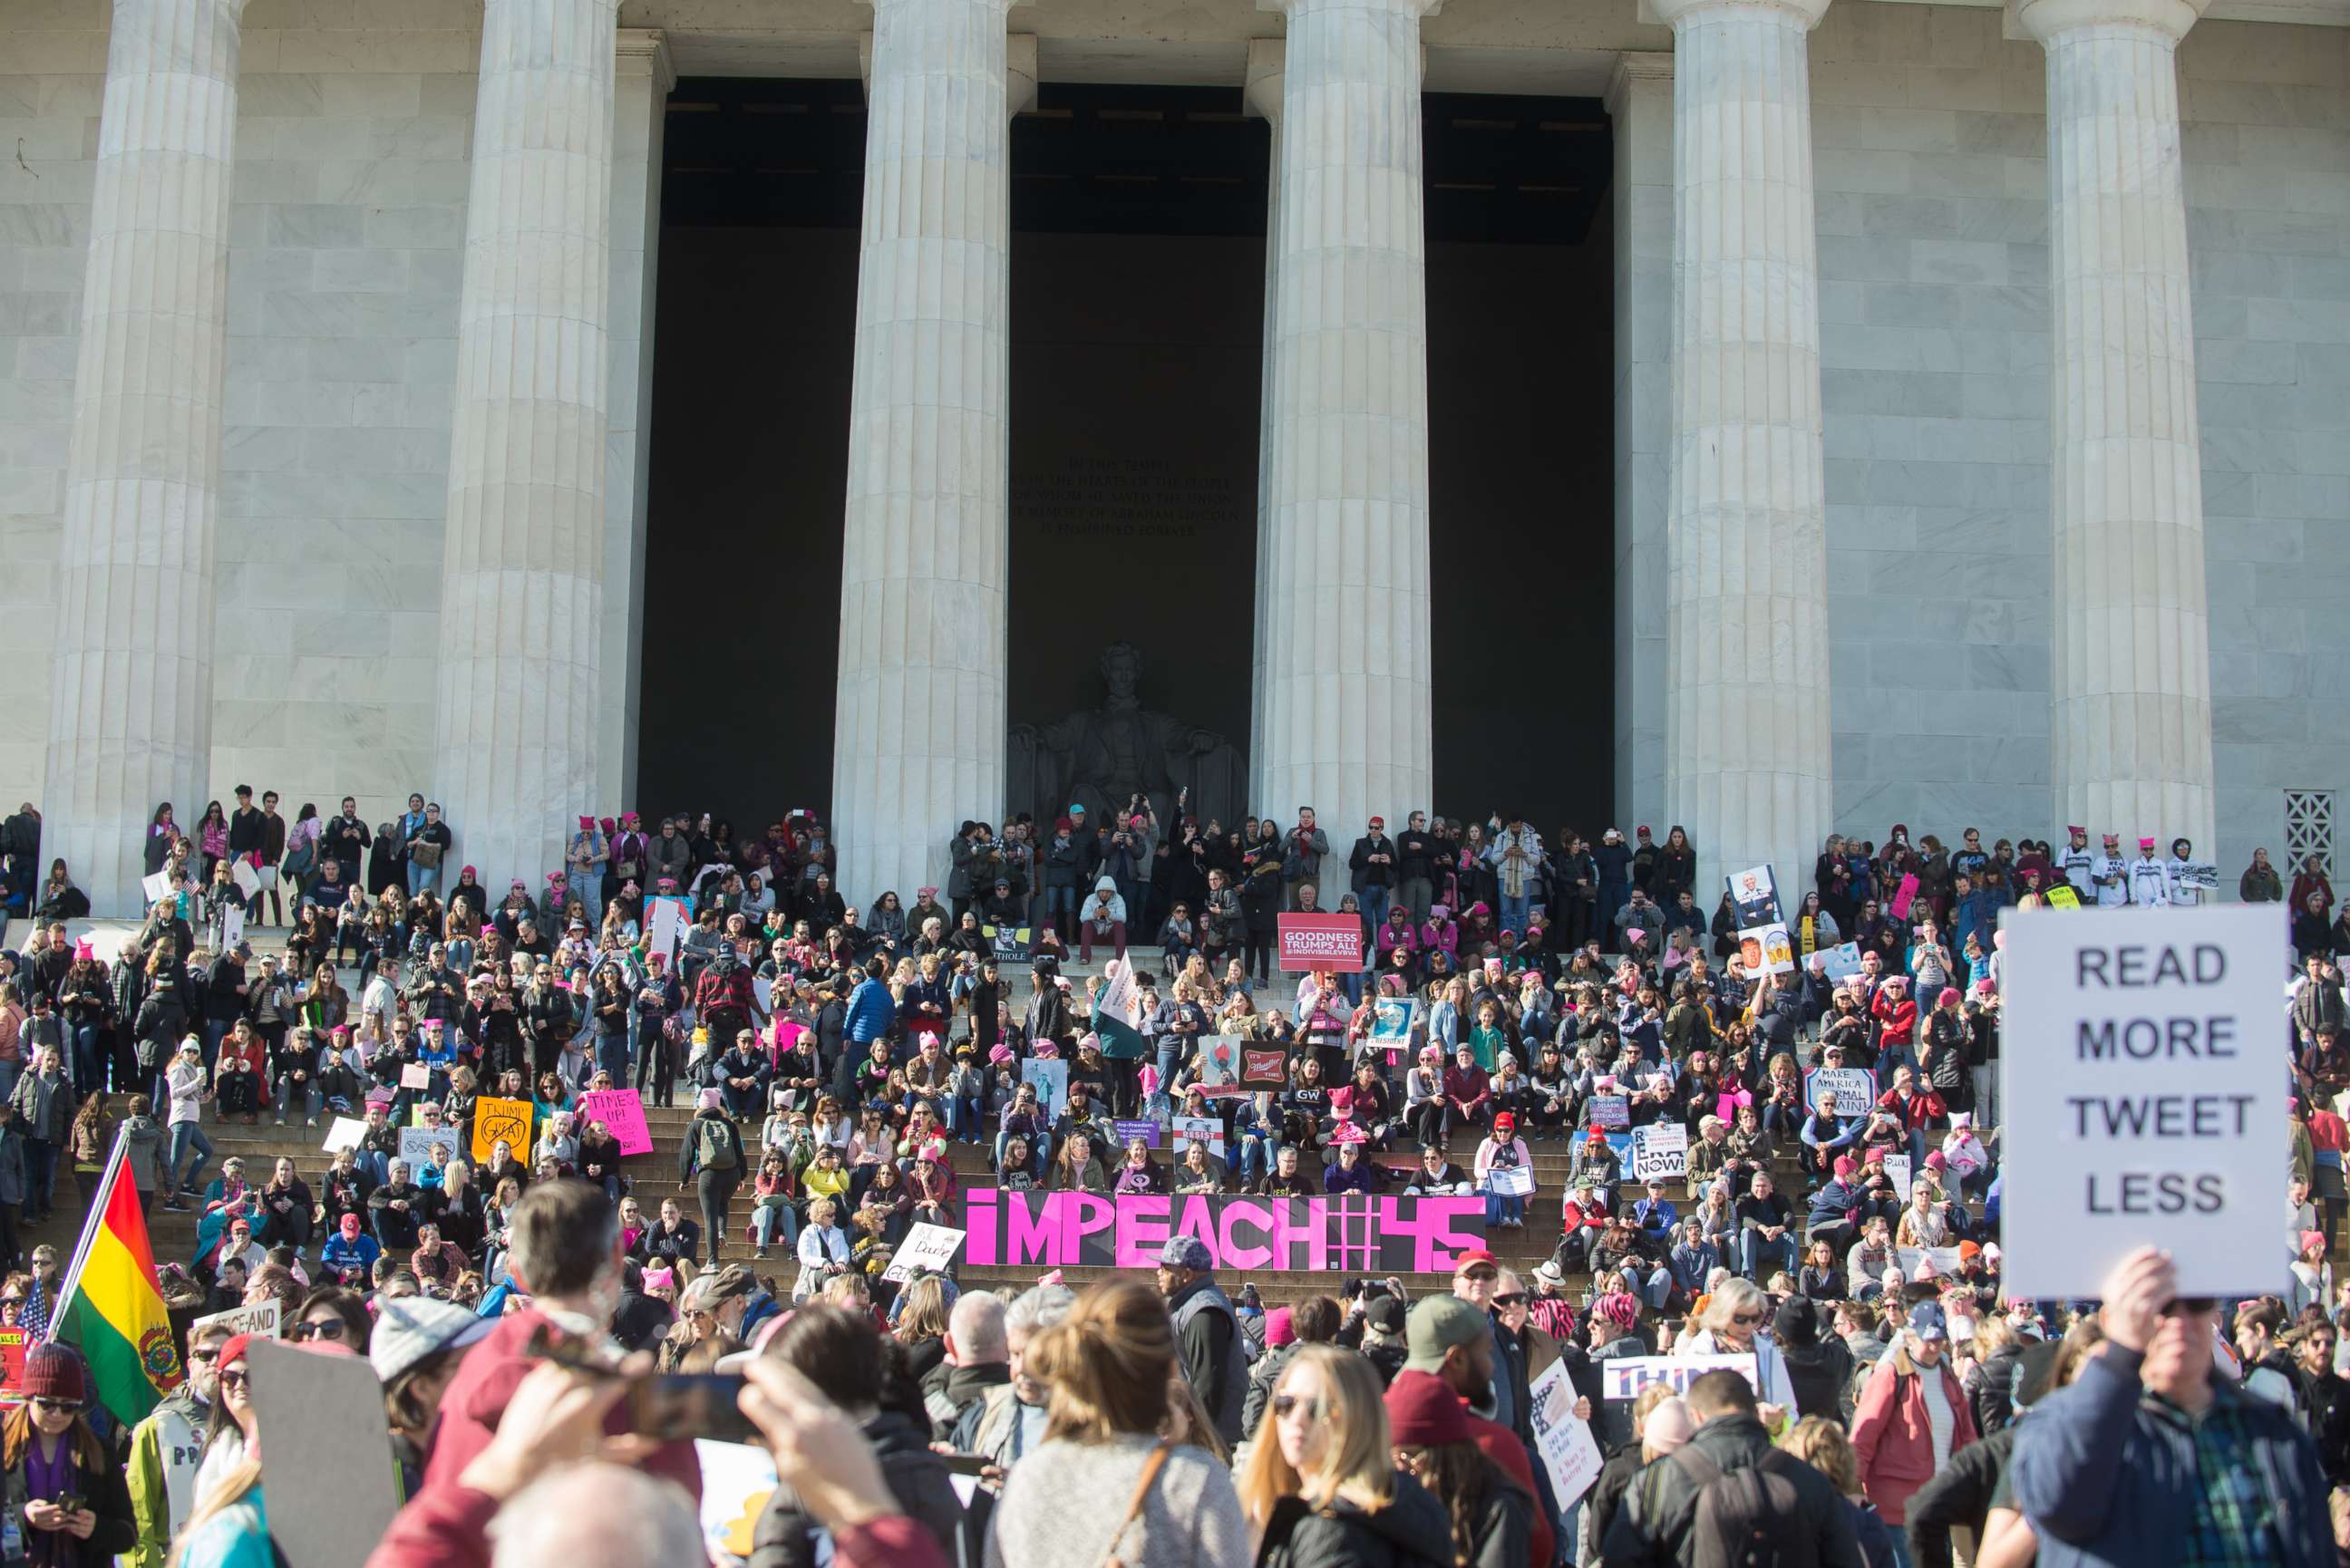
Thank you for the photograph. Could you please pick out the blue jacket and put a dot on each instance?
(870, 1012)
(2105, 1477)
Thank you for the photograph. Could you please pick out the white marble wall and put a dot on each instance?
(1931, 160)
(345, 228)
(1640, 102)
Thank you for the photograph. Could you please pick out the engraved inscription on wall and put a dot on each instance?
(1130, 498)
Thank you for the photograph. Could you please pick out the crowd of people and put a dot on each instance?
(1843, 1230)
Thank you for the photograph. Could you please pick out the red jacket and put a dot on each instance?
(1893, 1441)
(1899, 1019)
(1923, 1107)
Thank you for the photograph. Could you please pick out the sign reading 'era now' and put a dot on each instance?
(2144, 1099)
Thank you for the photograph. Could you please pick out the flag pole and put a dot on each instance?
(90, 1225)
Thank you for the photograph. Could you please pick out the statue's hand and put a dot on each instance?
(1204, 741)
(1023, 735)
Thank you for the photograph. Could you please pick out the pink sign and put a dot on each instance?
(1321, 941)
(1902, 895)
(1350, 1234)
(622, 1112)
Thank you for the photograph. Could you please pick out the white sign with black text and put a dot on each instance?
(2144, 1097)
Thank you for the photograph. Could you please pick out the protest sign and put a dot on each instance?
(1392, 1018)
(416, 1075)
(622, 1112)
(927, 1248)
(12, 1365)
(261, 1318)
(1660, 1148)
(1767, 950)
(2138, 1108)
(1184, 1131)
(1321, 941)
(1568, 1451)
(1855, 1089)
(2063, 897)
(1838, 962)
(1145, 1128)
(1944, 1258)
(1628, 1375)
(247, 880)
(1050, 1078)
(737, 1480)
(1009, 944)
(231, 926)
(1754, 893)
(1220, 1066)
(1511, 1181)
(157, 887)
(1897, 1171)
(1356, 1234)
(501, 1121)
(2198, 874)
(1903, 897)
(331, 1495)
(345, 1132)
(665, 923)
(763, 992)
(1611, 1110)
(416, 1145)
(1264, 1066)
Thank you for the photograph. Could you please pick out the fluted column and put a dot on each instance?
(2130, 659)
(919, 738)
(130, 695)
(520, 728)
(1746, 744)
(1345, 720)
(1263, 97)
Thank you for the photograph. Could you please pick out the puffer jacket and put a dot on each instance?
(1411, 1531)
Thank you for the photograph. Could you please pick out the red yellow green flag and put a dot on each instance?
(110, 1306)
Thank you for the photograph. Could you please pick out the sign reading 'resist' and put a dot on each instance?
(2142, 1096)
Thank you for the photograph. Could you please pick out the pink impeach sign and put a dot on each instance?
(1350, 1234)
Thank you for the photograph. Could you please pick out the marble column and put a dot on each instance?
(1261, 96)
(1747, 763)
(1345, 726)
(2130, 658)
(919, 737)
(130, 695)
(521, 727)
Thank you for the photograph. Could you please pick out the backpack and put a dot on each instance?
(1746, 1518)
(713, 1149)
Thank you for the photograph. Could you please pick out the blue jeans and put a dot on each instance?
(1373, 904)
(1514, 913)
(1258, 1151)
(1504, 1210)
(377, 1166)
(311, 1097)
(1162, 1102)
(774, 1225)
(422, 876)
(88, 1066)
(964, 1121)
(612, 1054)
(186, 1136)
(1755, 1252)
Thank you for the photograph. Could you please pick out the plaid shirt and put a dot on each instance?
(2234, 1521)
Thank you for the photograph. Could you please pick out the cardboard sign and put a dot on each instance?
(1184, 1131)
(1392, 1020)
(331, 1495)
(2142, 1106)
(497, 1121)
(1855, 1089)
(927, 1248)
(1568, 1451)
(1220, 1066)
(157, 887)
(416, 1075)
(1628, 1375)
(1611, 1110)
(1754, 894)
(1897, 1171)
(1146, 1129)
(416, 1145)
(2198, 874)
(622, 1112)
(1320, 941)
(1051, 1081)
(12, 1365)
(1767, 949)
(665, 923)
(347, 1133)
(1265, 1067)
(249, 881)
(261, 1318)
(2063, 897)
(1009, 944)
(1660, 1148)
(1838, 962)
(1903, 897)
(1511, 1181)
(737, 1480)
(1944, 1258)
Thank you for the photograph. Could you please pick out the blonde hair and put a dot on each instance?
(1822, 1445)
(232, 1488)
(1359, 1465)
(1106, 1364)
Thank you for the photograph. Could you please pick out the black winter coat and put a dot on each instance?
(1410, 1531)
(917, 1478)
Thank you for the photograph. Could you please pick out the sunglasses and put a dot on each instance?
(326, 1328)
(235, 1378)
(1746, 1319)
(2195, 1305)
(1288, 1405)
(1510, 1298)
(58, 1406)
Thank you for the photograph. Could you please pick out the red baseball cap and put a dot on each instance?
(1472, 1258)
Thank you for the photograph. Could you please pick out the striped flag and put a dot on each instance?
(110, 1306)
(1114, 1014)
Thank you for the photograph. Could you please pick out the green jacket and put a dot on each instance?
(164, 1447)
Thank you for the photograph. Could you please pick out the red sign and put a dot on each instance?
(12, 1367)
(1322, 941)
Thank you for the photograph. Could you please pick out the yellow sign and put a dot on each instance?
(501, 1121)
(2063, 897)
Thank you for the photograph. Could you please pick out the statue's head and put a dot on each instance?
(1121, 668)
